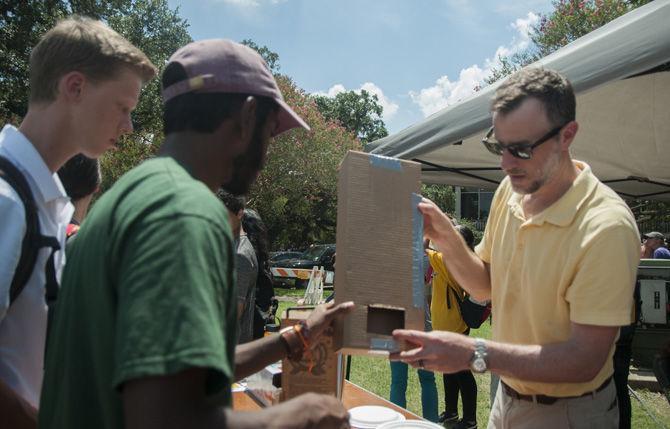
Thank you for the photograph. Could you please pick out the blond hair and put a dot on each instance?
(85, 45)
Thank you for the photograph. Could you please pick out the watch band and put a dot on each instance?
(479, 363)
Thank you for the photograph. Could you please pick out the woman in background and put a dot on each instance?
(265, 301)
(426, 378)
(446, 316)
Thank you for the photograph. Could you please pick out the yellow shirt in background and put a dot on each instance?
(576, 261)
(445, 315)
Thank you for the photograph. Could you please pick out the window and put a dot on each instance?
(475, 203)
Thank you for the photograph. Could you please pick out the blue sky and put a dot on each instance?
(418, 56)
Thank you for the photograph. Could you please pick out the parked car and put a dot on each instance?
(276, 258)
(319, 255)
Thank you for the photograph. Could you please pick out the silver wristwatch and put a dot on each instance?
(478, 362)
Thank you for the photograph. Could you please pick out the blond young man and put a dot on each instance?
(85, 79)
(558, 260)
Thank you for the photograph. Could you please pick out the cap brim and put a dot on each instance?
(288, 119)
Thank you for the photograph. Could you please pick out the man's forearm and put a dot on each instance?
(16, 412)
(552, 363)
(253, 356)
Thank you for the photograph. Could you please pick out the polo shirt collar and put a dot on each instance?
(563, 211)
(24, 154)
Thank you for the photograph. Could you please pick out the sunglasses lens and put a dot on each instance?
(521, 153)
(494, 148)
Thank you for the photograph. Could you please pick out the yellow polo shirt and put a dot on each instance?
(445, 315)
(576, 261)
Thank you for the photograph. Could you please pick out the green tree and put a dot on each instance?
(21, 25)
(359, 113)
(271, 58)
(570, 20)
(296, 193)
(158, 31)
(149, 24)
(442, 195)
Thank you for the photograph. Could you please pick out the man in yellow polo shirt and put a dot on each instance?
(558, 260)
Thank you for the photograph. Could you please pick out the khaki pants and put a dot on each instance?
(595, 411)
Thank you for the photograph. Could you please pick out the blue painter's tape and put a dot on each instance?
(385, 162)
(384, 344)
(417, 254)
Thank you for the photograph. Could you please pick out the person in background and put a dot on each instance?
(85, 80)
(446, 316)
(426, 378)
(266, 303)
(246, 266)
(653, 246)
(81, 179)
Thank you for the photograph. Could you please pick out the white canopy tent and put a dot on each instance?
(621, 75)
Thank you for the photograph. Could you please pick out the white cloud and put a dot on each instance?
(445, 92)
(390, 108)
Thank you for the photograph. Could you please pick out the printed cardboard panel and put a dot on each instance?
(379, 251)
(320, 373)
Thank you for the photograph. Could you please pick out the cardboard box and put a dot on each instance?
(379, 251)
(322, 373)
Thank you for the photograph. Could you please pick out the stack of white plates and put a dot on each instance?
(373, 416)
(410, 424)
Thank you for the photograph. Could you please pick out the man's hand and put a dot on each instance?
(321, 319)
(437, 226)
(310, 411)
(439, 351)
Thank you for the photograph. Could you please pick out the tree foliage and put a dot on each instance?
(442, 195)
(296, 193)
(149, 24)
(359, 113)
(569, 20)
(158, 31)
(271, 58)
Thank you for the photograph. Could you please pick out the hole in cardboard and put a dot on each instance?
(383, 319)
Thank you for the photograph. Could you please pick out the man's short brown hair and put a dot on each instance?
(85, 45)
(548, 86)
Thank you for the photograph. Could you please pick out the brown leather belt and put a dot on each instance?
(548, 400)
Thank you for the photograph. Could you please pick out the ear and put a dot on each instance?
(248, 118)
(72, 85)
(568, 134)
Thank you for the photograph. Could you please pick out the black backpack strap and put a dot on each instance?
(30, 246)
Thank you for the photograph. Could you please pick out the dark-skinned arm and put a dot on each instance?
(256, 355)
(179, 401)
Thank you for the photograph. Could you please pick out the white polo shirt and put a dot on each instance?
(23, 326)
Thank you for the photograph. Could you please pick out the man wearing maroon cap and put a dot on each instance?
(144, 335)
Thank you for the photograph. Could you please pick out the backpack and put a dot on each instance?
(265, 308)
(474, 313)
(33, 240)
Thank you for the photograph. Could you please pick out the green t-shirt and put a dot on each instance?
(148, 289)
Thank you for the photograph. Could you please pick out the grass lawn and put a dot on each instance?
(374, 374)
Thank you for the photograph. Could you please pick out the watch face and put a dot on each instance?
(479, 365)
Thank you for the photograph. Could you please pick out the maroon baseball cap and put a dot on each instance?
(218, 65)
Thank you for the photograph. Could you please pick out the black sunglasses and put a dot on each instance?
(520, 150)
